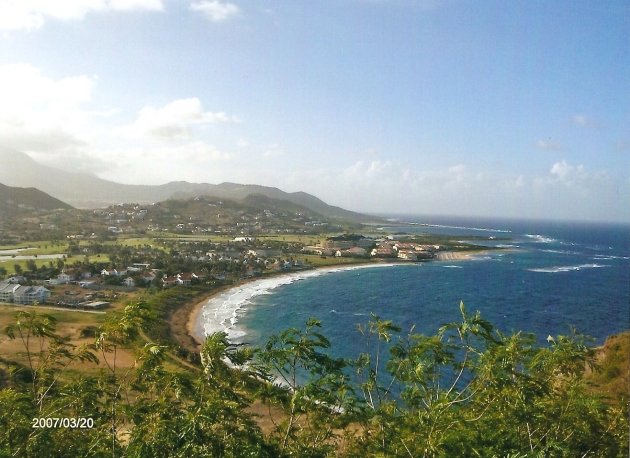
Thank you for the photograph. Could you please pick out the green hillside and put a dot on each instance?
(19, 201)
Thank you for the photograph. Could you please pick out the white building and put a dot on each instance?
(7, 290)
(30, 294)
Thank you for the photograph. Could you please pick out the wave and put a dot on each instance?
(482, 229)
(221, 312)
(609, 257)
(576, 253)
(454, 267)
(557, 269)
(541, 238)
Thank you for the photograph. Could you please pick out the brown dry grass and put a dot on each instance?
(70, 323)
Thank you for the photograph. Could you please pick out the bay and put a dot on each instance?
(548, 278)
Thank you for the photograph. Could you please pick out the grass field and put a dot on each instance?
(318, 261)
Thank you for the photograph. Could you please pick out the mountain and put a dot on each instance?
(236, 191)
(14, 201)
(84, 190)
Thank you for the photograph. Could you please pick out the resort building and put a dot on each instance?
(7, 290)
(20, 294)
(31, 295)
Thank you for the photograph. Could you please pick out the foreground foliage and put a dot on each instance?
(468, 390)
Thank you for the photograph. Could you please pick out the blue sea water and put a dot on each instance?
(550, 277)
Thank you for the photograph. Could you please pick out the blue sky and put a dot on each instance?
(483, 108)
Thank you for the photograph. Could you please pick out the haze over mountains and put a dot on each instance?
(83, 190)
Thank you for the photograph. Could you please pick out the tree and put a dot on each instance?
(313, 385)
(468, 390)
(31, 265)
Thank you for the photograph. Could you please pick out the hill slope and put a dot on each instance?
(14, 201)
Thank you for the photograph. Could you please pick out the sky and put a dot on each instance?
(454, 107)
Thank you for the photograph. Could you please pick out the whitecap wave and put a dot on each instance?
(541, 238)
(567, 252)
(609, 257)
(453, 267)
(557, 269)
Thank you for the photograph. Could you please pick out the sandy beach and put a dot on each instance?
(457, 255)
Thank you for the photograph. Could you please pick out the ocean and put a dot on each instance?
(550, 277)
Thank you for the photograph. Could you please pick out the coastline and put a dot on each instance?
(195, 324)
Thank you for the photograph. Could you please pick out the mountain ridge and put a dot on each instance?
(83, 190)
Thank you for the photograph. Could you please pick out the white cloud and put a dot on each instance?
(174, 120)
(549, 145)
(135, 5)
(272, 152)
(578, 177)
(584, 121)
(194, 161)
(53, 120)
(215, 10)
(564, 191)
(32, 14)
(41, 112)
(563, 171)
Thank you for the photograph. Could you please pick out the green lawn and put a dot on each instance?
(318, 261)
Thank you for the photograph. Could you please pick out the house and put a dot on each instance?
(30, 294)
(148, 277)
(129, 282)
(87, 284)
(114, 272)
(407, 255)
(94, 305)
(141, 265)
(63, 278)
(355, 252)
(187, 278)
(184, 279)
(201, 275)
(7, 289)
(169, 281)
(383, 251)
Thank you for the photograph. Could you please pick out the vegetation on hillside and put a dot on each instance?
(468, 390)
(20, 201)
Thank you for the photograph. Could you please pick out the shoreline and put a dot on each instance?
(194, 326)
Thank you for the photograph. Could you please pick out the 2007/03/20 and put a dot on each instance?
(63, 422)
